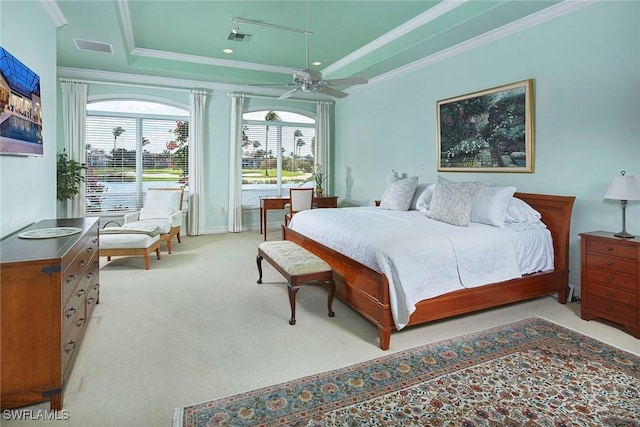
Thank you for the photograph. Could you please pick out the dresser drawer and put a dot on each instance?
(612, 310)
(73, 309)
(611, 278)
(71, 341)
(612, 248)
(611, 263)
(84, 264)
(612, 293)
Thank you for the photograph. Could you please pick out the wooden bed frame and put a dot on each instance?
(367, 291)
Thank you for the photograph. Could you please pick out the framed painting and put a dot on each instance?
(487, 131)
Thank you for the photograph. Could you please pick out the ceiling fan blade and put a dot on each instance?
(289, 93)
(332, 92)
(347, 81)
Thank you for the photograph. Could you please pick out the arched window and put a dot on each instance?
(278, 151)
(130, 146)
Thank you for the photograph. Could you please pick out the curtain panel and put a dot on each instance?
(74, 111)
(197, 102)
(235, 164)
(323, 142)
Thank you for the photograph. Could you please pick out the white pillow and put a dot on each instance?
(424, 199)
(519, 211)
(452, 201)
(420, 189)
(399, 193)
(490, 205)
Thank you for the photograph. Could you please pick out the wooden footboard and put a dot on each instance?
(367, 291)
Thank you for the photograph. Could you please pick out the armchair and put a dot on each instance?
(162, 208)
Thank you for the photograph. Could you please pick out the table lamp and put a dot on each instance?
(623, 187)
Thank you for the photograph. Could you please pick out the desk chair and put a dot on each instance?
(300, 199)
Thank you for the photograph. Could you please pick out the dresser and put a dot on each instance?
(49, 287)
(610, 279)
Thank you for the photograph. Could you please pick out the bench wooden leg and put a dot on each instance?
(259, 262)
(332, 292)
(293, 290)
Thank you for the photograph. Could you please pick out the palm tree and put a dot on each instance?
(271, 116)
(299, 143)
(296, 134)
(117, 131)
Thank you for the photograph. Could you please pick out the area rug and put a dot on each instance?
(528, 373)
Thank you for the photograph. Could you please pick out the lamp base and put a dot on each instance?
(625, 235)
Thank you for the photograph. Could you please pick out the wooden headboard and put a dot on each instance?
(556, 214)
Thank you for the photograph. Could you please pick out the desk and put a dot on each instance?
(277, 203)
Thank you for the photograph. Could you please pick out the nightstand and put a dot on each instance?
(610, 279)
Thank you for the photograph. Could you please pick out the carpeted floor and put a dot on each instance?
(531, 372)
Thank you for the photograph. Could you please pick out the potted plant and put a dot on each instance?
(319, 177)
(69, 176)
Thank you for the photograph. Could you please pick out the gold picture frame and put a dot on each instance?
(487, 131)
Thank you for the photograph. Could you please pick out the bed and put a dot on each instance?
(367, 291)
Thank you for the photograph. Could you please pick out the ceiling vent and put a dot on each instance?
(93, 46)
(239, 37)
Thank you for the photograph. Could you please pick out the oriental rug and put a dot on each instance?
(528, 373)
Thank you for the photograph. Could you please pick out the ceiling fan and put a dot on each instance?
(308, 80)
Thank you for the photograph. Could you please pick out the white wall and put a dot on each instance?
(586, 71)
(28, 184)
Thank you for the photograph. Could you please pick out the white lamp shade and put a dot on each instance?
(623, 187)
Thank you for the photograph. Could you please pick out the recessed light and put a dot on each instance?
(316, 63)
(227, 50)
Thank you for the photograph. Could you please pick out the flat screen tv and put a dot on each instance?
(20, 108)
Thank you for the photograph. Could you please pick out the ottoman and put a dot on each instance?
(118, 241)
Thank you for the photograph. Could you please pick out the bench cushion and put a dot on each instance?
(294, 259)
(127, 241)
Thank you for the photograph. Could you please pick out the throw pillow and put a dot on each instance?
(490, 205)
(399, 193)
(452, 201)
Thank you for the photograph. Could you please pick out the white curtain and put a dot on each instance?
(196, 221)
(74, 108)
(323, 132)
(235, 164)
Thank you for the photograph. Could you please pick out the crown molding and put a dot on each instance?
(125, 20)
(168, 83)
(545, 15)
(54, 12)
(196, 59)
(424, 18)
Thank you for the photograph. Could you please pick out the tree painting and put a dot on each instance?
(490, 130)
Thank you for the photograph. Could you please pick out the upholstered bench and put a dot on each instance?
(119, 241)
(298, 266)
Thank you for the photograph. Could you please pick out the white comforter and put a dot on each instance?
(420, 257)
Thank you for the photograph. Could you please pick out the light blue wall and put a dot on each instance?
(27, 184)
(586, 71)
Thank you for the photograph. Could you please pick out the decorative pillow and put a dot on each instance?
(490, 205)
(452, 201)
(424, 200)
(519, 211)
(399, 193)
(420, 189)
(160, 204)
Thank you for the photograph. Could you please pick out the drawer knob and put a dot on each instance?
(71, 278)
(81, 292)
(609, 278)
(70, 312)
(81, 263)
(609, 263)
(610, 248)
(609, 308)
(609, 293)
